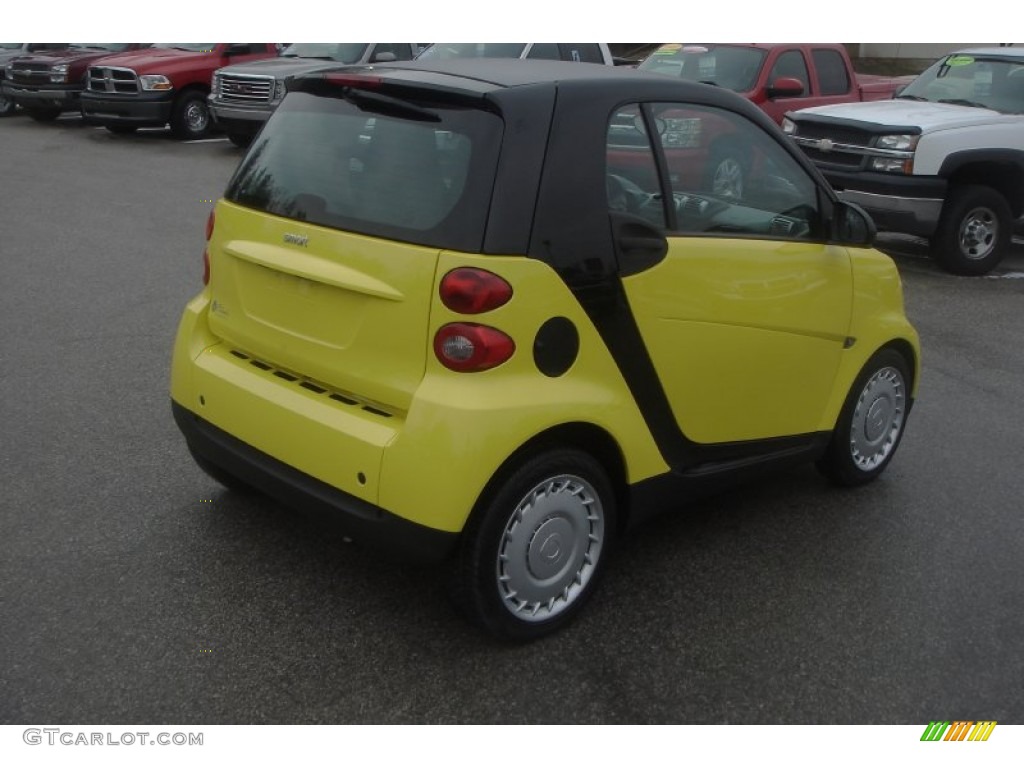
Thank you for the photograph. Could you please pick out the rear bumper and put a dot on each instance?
(364, 522)
(136, 109)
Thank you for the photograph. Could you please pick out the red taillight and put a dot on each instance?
(353, 81)
(467, 347)
(211, 222)
(472, 291)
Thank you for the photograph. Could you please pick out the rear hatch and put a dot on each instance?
(325, 247)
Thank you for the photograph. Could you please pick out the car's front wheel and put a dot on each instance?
(533, 553)
(871, 423)
(190, 117)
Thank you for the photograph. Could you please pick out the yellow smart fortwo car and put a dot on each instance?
(497, 311)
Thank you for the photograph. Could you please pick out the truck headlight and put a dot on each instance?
(893, 164)
(788, 126)
(155, 83)
(279, 90)
(59, 73)
(901, 141)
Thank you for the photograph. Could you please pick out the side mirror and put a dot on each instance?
(852, 225)
(237, 49)
(384, 56)
(785, 86)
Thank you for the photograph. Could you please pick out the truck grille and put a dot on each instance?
(112, 80)
(29, 73)
(846, 144)
(244, 89)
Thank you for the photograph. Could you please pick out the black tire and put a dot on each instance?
(974, 230)
(535, 548)
(7, 106)
(222, 476)
(44, 114)
(727, 171)
(872, 422)
(121, 129)
(190, 116)
(240, 140)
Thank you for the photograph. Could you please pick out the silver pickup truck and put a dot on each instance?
(243, 96)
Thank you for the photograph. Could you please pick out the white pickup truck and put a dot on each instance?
(943, 160)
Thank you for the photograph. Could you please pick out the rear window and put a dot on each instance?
(422, 180)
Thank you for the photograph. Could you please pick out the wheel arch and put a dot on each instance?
(999, 169)
(583, 436)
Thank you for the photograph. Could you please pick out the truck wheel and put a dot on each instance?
(974, 230)
(726, 174)
(532, 555)
(44, 114)
(190, 117)
(7, 106)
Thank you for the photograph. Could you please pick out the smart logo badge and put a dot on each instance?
(959, 730)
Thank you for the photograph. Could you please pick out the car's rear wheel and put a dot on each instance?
(871, 423)
(190, 117)
(974, 230)
(533, 553)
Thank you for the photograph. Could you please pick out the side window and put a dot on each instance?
(790, 64)
(729, 177)
(587, 52)
(544, 51)
(631, 173)
(832, 75)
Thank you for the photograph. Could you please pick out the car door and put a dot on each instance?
(745, 311)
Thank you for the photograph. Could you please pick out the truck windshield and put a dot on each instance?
(972, 81)
(102, 46)
(473, 51)
(734, 67)
(194, 47)
(346, 53)
(422, 174)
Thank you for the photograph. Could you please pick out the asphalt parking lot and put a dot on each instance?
(136, 590)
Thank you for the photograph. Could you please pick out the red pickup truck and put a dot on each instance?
(778, 77)
(165, 84)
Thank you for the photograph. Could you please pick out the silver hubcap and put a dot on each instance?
(978, 233)
(878, 418)
(196, 117)
(728, 179)
(550, 548)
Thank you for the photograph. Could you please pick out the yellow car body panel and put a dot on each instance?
(429, 464)
(746, 335)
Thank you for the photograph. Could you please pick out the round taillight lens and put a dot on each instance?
(467, 348)
(471, 291)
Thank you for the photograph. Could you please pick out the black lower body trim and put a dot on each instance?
(363, 522)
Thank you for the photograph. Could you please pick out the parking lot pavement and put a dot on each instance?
(136, 590)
